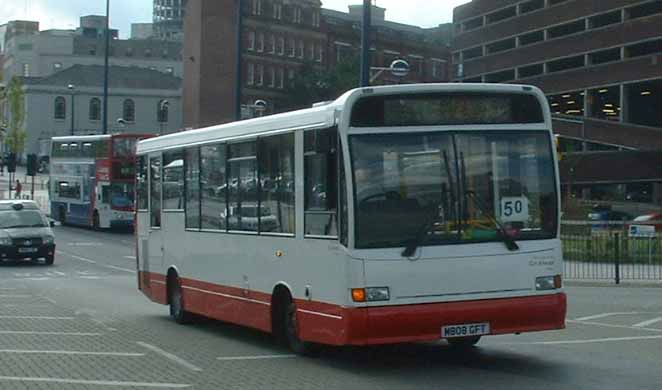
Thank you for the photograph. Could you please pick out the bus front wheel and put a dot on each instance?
(176, 300)
(291, 330)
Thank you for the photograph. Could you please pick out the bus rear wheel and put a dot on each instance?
(176, 300)
(463, 342)
(95, 220)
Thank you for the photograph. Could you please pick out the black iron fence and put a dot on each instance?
(612, 250)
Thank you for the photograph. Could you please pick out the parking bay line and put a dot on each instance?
(37, 318)
(256, 357)
(94, 382)
(644, 324)
(24, 351)
(28, 332)
(170, 356)
(588, 341)
(95, 262)
(612, 325)
(603, 315)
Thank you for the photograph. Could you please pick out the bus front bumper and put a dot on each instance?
(423, 322)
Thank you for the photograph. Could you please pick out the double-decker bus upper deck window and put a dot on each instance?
(173, 181)
(141, 181)
(320, 181)
(438, 109)
(192, 185)
(213, 186)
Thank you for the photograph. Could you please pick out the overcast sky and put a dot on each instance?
(65, 13)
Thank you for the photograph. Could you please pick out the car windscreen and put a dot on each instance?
(20, 219)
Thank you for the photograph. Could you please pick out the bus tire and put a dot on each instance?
(176, 301)
(463, 342)
(289, 327)
(95, 220)
(62, 216)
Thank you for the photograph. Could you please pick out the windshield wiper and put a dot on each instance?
(420, 236)
(507, 239)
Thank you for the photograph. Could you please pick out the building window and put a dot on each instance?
(473, 24)
(437, 69)
(501, 15)
(530, 71)
(251, 40)
(260, 42)
(530, 6)
(604, 56)
(565, 64)
(297, 15)
(569, 103)
(129, 52)
(162, 111)
(644, 48)
(500, 77)
(57, 66)
(301, 49)
(311, 51)
(531, 38)
(260, 75)
(92, 50)
(148, 53)
(316, 19)
(281, 46)
(278, 11)
(26, 70)
(320, 187)
(290, 74)
(272, 44)
(60, 108)
(566, 29)
(472, 53)
(257, 7)
(281, 78)
(272, 77)
(95, 109)
(647, 9)
(320, 53)
(605, 19)
(129, 111)
(292, 47)
(250, 77)
(605, 103)
(499, 46)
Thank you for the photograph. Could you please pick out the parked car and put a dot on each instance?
(247, 218)
(603, 215)
(654, 219)
(25, 233)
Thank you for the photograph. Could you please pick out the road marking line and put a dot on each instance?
(15, 296)
(170, 356)
(37, 318)
(49, 333)
(23, 351)
(130, 257)
(603, 315)
(85, 244)
(51, 300)
(587, 341)
(59, 273)
(90, 277)
(7, 288)
(258, 357)
(612, 325)
(644, 324)
(101, 265)
(94, 382)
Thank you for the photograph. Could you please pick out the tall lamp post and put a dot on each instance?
(105, 69)
(163, 114)
(72, 89)
(238, 64)
(365, 43)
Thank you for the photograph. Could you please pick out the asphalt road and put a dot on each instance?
(82, 324)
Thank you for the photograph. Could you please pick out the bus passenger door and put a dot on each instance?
(155, 249)
(103, 204)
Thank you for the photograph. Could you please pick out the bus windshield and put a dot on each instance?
(122, 196)
(457, 184)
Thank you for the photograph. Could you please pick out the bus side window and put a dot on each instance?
(173, 181)
(155, 191)
(213, 185)
(192, 187)
(342, 198)
(321, 181)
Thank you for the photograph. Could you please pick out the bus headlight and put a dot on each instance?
(548, 282)
(370, 294)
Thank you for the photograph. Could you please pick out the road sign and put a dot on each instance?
(642, 231)
(400, 68)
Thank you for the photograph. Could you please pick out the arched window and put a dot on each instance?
(60, 108)
(129, 112)
(95, 109)
(162, 111)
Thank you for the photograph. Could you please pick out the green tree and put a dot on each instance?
(313, 84)
(15, 139)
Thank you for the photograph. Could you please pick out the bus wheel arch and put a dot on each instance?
(284, 324)
(175, 298)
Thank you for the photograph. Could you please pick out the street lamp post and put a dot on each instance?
(238, 64)
(163, 107)
(365, 43)
(105, 69)
(72, 89)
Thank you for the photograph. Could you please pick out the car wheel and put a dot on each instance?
(50, 259)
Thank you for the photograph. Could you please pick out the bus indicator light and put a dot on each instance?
(358, 294)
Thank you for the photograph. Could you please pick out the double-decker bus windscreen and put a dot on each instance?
(459, 187)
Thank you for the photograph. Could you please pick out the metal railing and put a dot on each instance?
(611, 251)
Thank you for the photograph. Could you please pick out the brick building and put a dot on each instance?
(599, 62)
(278, 38)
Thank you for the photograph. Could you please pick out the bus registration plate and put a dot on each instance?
(465, 330)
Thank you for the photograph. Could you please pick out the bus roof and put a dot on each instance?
(98, 137)
(320, 116)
